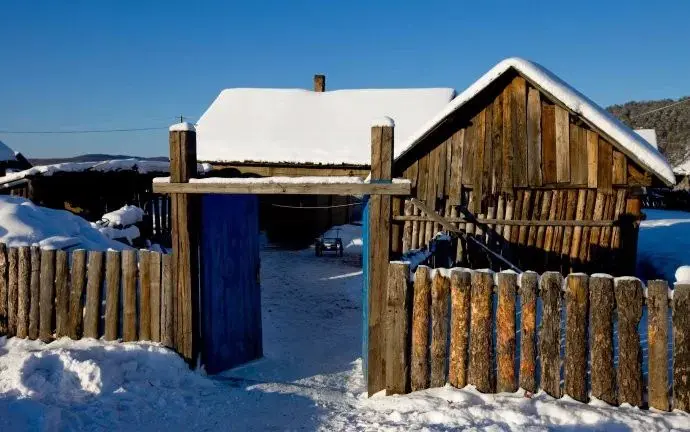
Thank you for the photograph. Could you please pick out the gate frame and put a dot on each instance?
(184, 215)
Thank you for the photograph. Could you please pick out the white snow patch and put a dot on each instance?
(632, 144)
(127, 215)
(683, 274)
(649, 135)
(22, 223)
(294, 125)
(383, 122)
(182, 127)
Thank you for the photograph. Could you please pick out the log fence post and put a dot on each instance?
(397, 329)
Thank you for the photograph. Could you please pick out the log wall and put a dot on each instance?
(514, 153)
(580, 310)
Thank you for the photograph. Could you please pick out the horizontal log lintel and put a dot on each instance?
(307, 188)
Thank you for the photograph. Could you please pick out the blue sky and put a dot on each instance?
(136, 64)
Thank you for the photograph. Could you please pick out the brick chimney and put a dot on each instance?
(320, 83)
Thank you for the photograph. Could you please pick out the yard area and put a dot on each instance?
(309, 379)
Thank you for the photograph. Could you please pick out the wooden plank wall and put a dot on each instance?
(583, 314)
(515, 154)
(118, 295)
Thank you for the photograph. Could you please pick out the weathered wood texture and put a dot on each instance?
(550, 334)
(397, 328)
(47, 296)
(62, 288)
(505, 333)
(460, 291)
(421, 316)
(112, 294)
(657, 340)
(577, 302)
(528, 331)
(78, 282)
(440, 298)
(480, 332)
(629, 301)
(601, 315)
(24, 294)
(3, 289)
(681, 348)
(379, 246)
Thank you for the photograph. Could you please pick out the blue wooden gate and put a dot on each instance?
(230, 301)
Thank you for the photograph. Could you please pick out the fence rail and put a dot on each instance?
(48, 294)
(461, 327)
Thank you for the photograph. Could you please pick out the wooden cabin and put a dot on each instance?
(533, 169)
(296, 132)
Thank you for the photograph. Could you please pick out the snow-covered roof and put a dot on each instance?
(624, 138)
(649, 135)
(6, 153)
(301, 126)
(138, 165)
(682, 168)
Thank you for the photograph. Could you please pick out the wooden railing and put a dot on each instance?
(48, 294)
(472, 308)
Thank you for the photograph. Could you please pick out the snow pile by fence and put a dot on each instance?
(127, 215)
(24, 223)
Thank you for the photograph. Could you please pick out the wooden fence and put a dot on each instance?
(48, 294)
(506, 332)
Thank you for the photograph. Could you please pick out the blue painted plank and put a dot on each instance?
(230, 288)
(365, 286)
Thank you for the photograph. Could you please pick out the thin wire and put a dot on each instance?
(316, 207)
(83, 131)
(662, 108)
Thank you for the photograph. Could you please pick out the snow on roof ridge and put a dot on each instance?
(636, 147)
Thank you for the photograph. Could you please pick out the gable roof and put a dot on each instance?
(620, 135)
(302, 126)
(6, 153)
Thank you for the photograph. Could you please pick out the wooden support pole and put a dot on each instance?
(577, 302)
(129, 296)
(61, 293)
(397, 328)
(657, 339)
(528, 331)
(184, 219)
(379, 253)
(144, 295)
(505, 333)
(601, 313)
(480, 331)
(167, 300)
(681, 347)
(24, 315)
(112, 294)
(13, 261)
(629, 301)
(421, 305)
(440, 291)
(460, 290)
(550, 335)
(93, 294)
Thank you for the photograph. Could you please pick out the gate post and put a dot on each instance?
(185, 246)
(378, 252)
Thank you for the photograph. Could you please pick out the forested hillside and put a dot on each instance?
(672, 124)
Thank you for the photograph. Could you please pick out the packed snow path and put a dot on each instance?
(310, 378)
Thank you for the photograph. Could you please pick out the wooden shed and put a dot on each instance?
(266, 132)
(534, 170)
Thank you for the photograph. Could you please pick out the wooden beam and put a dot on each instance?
(562, 145)
(396, 188)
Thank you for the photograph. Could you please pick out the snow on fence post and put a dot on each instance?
(379, 252)
(601, 313)
(440, 292)
(480, 331)
(505, 332)
(528, 331)
(576, 302)
(681, 347)
(421, 310)
(47, 296)
(3, 289)
(183, 214)
(460, 290)
(550, 334)
(629, 302)
(657, 340)
(397, 328)
(77, 282)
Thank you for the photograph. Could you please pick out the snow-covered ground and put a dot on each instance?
(309, 379)
(664, 244)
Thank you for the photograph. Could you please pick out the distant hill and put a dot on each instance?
(672, 124)
(94, 157)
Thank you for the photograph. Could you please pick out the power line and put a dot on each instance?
(662, 108)
(83, 131)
